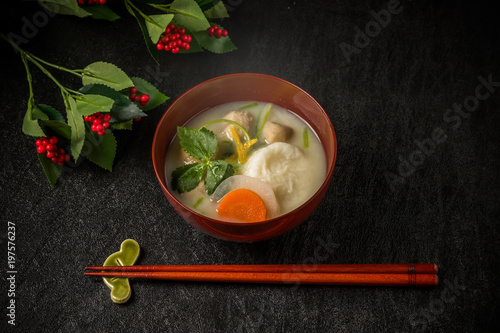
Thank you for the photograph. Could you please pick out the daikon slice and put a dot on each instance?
(263, 190)
(284, 167)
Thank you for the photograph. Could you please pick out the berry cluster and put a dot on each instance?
(48, 146)
(100, 122)
(91, 2)
(173, 39)
(135, 97)
(215, 31)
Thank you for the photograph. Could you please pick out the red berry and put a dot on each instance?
(132, 90)
(211, 30)
(81, 2)
(137, 119)
(224, 33)
(40, 149)
(66, 157)
(98, 128)
(38, 142)
(61, 151)
(185, 46)
(53, 159)
(132, 97)
(175, 50)
(160, 46)
(170, 26)
(60, 163)
(93, 127)
(49, 147)
(105, 124)
(45, 141)
(107, 117)
(144, 98)
(101, 132)
(137, 97)
(182, 31)
(50, 154)
(218, 32)
(96, 121)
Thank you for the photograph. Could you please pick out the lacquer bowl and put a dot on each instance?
(233, 88)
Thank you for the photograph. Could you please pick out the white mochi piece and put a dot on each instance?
(284, 168)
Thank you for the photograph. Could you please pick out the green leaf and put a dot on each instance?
(75, 121)
(52, 170)
(158, 25)
(90, 104)
(189, 14)
(65, 7)
(126, 125)
(187, 177)
(200, 144)
(155, 96)
(123, 109)
(107, 74)
(220, 45)
(102, 12)
(52, 113)
(103, 154)
(30, 122)
(217, 172)
(59, 127)
(207, 4)
(145, 33)
(217, 11)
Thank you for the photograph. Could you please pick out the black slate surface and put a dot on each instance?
(385, 100)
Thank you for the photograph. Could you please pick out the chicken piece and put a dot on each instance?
(274, 132)
(243, 118)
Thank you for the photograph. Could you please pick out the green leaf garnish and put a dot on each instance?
(65, 7)
(248, 106)
(107, 74)
(126, 125)
(30, 122)
(139, 16)
(217, 171)
(52, 113)
(187, 177)
(201, 144)
(305, 136)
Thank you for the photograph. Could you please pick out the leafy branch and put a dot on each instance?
(104, 99)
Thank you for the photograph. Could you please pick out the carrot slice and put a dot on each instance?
(243, 205)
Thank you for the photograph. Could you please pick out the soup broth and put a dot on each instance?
(288, 157)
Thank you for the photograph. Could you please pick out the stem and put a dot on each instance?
(168, 10)
(74, 72)
(144, 16)
(45, 71)
(31, 99)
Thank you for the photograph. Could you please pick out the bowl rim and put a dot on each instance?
(322, 188)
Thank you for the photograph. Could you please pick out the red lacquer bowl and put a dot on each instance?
(233, 88)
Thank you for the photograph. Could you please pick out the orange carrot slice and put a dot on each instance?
(243, 205)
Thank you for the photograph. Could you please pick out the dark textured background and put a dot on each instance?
(392, 92)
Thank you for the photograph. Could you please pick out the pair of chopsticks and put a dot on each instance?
(411, 275)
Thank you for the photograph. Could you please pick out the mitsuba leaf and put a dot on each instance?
(90, 104)
(102, 12)
(217, 11)
(158, 25)
(200, 144)
(220, 45)
(105, 73)
(52, 170)
(145, 32)
(189, 14)
(217, 172)
(75, 121)
(103, 153)
(122, 110)
(187, 177)
(155, 96)
(65, 7)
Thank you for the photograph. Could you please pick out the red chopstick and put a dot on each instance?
(418, 275)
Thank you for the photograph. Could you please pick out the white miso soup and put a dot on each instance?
(285, 166)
